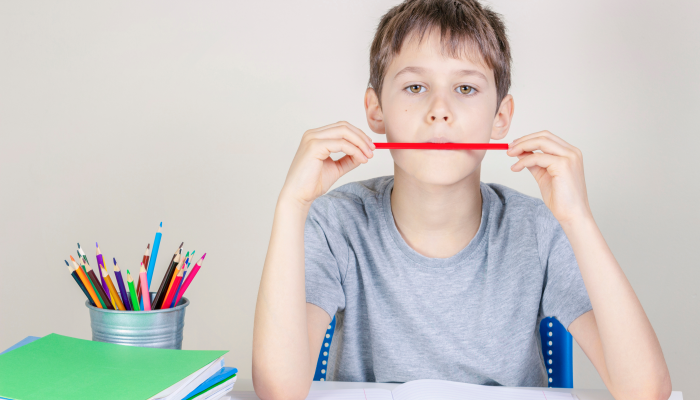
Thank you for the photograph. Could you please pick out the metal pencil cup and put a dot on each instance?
(156, 328)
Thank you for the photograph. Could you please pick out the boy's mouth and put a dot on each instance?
(439, 140)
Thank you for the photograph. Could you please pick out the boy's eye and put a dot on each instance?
(416, 89)
(465, 89)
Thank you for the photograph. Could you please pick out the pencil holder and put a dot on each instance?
(156, 328)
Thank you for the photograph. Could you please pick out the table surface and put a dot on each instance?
(244, 385)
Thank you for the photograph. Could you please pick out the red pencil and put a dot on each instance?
(190, 277)
(443, 146)
(146, 256)
(171, 293)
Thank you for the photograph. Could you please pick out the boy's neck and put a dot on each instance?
(437, 221)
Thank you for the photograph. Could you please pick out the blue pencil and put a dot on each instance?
(152, 261)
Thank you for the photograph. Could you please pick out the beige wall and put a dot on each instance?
(115, 116)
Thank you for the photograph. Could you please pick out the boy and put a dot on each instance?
(430, 273)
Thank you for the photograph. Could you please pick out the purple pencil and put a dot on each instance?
(122, 288)
(101, 264)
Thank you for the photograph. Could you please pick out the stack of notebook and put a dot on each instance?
(61, 367)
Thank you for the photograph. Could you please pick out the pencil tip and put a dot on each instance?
(97, 245)
(149, 246)
(181, 244)
(161, 224)
(78, 245)
(205, 254)
(71, 258)
(115, 260)
(66, 262)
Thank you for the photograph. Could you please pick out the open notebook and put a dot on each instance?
(429, 389)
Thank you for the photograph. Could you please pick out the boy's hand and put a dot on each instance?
(313, 171)
(558, 170)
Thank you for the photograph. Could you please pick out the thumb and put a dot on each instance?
(346, 164)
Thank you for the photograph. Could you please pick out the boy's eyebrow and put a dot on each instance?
(419, 70)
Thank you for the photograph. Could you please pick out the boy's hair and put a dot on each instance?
(466, 29)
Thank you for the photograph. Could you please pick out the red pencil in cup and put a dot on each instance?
(190, 277)
(442, 146)
(146, 257)
(171, 293)
(144, 289)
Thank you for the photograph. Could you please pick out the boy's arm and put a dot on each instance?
(616, 335)
(288, 332)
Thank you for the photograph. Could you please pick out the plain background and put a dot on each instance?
(115, 116)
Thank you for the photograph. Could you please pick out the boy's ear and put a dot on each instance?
(375, 117)
(504, 116)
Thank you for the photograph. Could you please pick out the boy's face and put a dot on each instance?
(429, 97)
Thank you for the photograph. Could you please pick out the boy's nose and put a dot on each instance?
(439, 111)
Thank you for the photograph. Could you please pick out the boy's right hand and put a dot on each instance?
(313, 171)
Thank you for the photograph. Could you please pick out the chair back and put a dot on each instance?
(322, 363)
(556, 353)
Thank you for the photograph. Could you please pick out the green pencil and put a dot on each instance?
(132, 292)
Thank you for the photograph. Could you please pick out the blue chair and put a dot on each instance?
(556, 352)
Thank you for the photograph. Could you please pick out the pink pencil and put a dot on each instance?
(190, 276)
(144, 289)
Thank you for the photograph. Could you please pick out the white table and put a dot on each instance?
(243, 385)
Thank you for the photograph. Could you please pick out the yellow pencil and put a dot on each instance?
(112, 290)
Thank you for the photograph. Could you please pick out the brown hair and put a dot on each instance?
(466, 29)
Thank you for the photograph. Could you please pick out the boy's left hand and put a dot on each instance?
(558, 170)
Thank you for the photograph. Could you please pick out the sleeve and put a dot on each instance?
(564, 294)
(326, 257)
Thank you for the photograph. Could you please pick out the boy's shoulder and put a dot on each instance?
(511, 197)
(359, 192)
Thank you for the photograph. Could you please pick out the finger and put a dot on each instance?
(346, 164)
(542, 143)
(351, 127)
(324, 149)
(534, 169)
(535, 160)
(346, 133)
(541, 134)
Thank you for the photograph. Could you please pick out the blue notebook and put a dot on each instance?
(223, 374)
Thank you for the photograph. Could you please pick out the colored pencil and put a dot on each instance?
(177, 292)
(100, 290)
(120, 282)
(154, 254)
(77, 280)
(145, 297)
(443, 146)
(132, 291)
(172, 280)
(171, 295)
(146, 256)
(100, 266)
(88, 283)
(161, 294)
(115, 296)
(190, 277)
(82, 256)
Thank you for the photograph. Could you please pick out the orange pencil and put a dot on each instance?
(144, 289)
(112, 290)
(86, 283)
(171, 293)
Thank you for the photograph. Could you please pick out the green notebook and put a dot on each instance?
(61, 367)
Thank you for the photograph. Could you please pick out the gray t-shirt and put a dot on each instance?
(473, 317)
